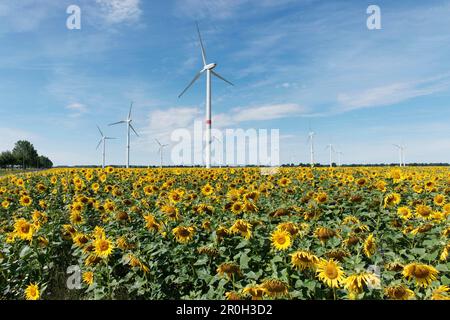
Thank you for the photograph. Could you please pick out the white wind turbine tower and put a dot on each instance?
(340, 154)
(311, 146)
(129, 126)
(214, 138)
(160, 150)
(401, 150)
(103, 140)
(331, 148)
(209, 69)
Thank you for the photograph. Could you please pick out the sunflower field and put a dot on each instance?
(230, 233)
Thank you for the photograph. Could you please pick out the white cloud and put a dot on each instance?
(120, 11)
(392, 93)
(77, 109)
(8, 136)
(268, 112)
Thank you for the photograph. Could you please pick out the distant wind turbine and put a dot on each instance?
(129, 126)
(161, 147)
(331, 148)
(401, 152)
(209, 69)
(339, 154)
(311, 146)
(103, 140)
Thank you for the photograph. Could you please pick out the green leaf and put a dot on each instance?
(25, 252)
(243, 261)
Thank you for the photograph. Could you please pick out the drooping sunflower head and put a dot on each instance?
(242, 227)
(304, 260)
(399, 292)
(330, 273)
(324, 234)
(256, 292)
(290, 227)
(423, 274)
(281, 240)
(441, 293)
(230, 269)
(356, 283)
(370, 246)
(275, 288)
(392, 200)
(183, 234)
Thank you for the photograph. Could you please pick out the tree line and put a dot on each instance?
(25, 156)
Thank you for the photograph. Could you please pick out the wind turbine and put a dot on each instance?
(209, 69)
(401, 150)
(161, 147)
(103, 140)
(311, 146)
(129, 126)
(331, 148)
(339, 153)
(214, 138)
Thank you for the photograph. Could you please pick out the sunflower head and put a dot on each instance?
(281, 240)
(32, 292)
(423, 274)
(330, 273)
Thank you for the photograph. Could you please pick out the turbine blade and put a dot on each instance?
(100, 131)
(99, 143)
(220, 77)
(190, 84)
(129, 113)
(113, 124)
(110, 138)
(201, 44)
(157, 141)
(134, 130)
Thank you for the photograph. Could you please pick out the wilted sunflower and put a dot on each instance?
(423, 274)
(281, 240)
(183, 234)
(289, 227)
(256, 292)
(230, 269)
(103, 248)
(275, 288)
(330, 273)
(324, 234)
(304, 260)
(356, 283)
(321, 197)
(151, 223)
(32, 292)
(171, 212)
(399, 292)
(391, 200)
(242, 227)
(441, 293)
(232, 296)
(370, 246)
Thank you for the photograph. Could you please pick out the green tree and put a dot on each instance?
(44, 162)
(6, 159)
(25, 153)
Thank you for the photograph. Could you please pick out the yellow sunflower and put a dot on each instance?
(392, 200)
(370, 246)
(256, 292)
(356, 283)
(23, 229)
(330, 273)
(242, 227)
(441, 293)
(404, 213)
(103, 248)
(88, 277)
(183, 234)
(32, 292)
(439, 200)
(423, 274)
(25, 201)
(281, 240)
(424, 211)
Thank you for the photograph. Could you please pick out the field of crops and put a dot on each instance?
(362, 233)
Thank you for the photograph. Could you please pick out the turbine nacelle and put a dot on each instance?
(209, 67)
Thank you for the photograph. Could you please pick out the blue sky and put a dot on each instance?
(295, 64)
